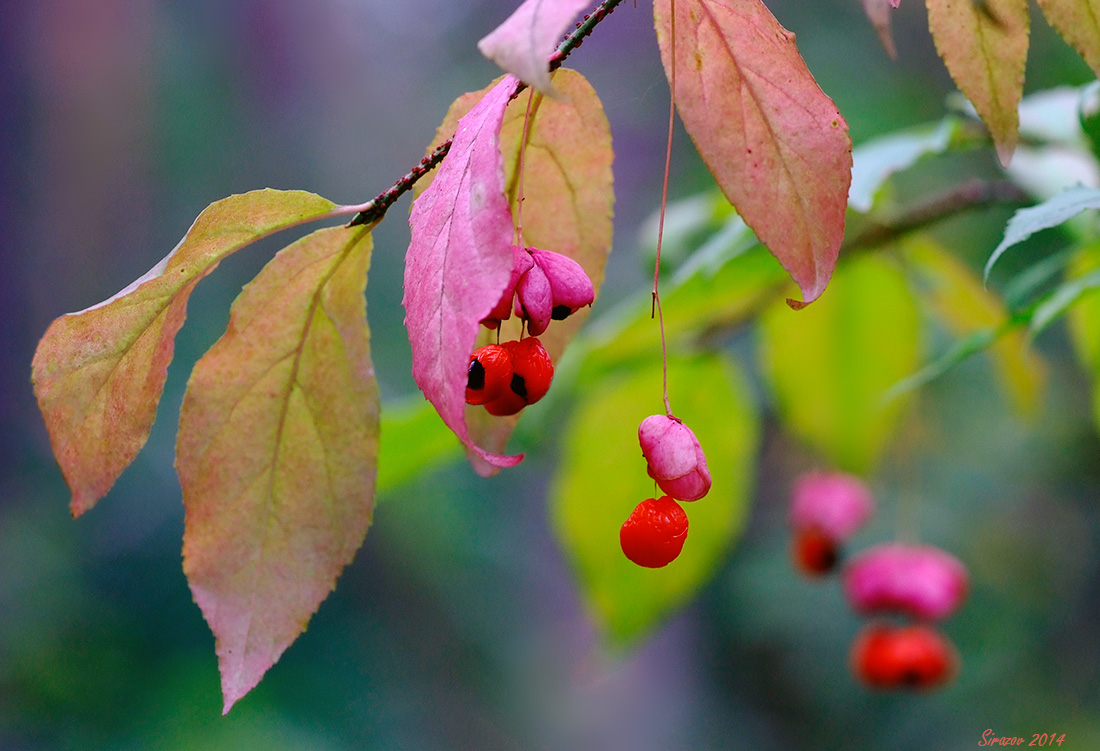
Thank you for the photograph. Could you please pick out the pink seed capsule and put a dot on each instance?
(570, 287)
(920, 580)
(674, 457)
(521, 262)
(834, 503)
(534, 300)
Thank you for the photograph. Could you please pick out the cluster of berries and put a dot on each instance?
(544, 286)
(654, 533)
(921, 583)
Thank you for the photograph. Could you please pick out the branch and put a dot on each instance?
(373, 211)
(954, 200)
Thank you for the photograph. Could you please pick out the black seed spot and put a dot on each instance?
(519, 385)
(911, 677)
(475, 376)
(561, 312)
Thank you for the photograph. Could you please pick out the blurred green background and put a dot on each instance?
(458, 626)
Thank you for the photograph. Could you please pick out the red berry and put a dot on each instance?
(532, 372)
(489, 374)
(654, 534)
(815, 553)
(915, 656)
(508, 403)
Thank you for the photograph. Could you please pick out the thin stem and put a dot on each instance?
(519, 169)
(664, 354)
(376, 208)
(656, 304)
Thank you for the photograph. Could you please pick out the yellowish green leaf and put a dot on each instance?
(956, 296)
(277, 452)
(829, 366)
(602, 477)
(1078, 21)
(984, 45)
(99, 373)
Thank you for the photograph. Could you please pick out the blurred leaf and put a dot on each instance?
(569, 199)
(693, 303)
(875, 161)
(414, 441)
(1083, 320)
(776, 144)
(956, 296)
(99, 373)
(1060, 300)
(1026, 222)
(984, 45)
(277, 452)
(830, 365)
(1078, 21)
(1088, 114)
(1084, 317)
(602, 477)
(960, 350)
(689, 223)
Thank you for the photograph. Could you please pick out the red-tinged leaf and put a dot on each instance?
(459, 261)
(523, 44)
(277, 452)
(568, 206)
(984, 46)
(878, 13)
(99, 373)
(775, 143)
(1078, 21)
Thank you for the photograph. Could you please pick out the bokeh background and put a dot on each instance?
(458, 625)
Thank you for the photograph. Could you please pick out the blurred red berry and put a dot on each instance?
(815, 553)
(898, 657)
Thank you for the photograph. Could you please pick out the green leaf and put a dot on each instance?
(277, 452)
(875, 161)
(696, 301)
(602, 477)
(414, 441)
(1050, 213)
(955, 295)
(99, 373)
(829, 366)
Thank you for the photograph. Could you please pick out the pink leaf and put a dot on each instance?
(523, 44)
(459, 261)
(775, 143)
(878, 13)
